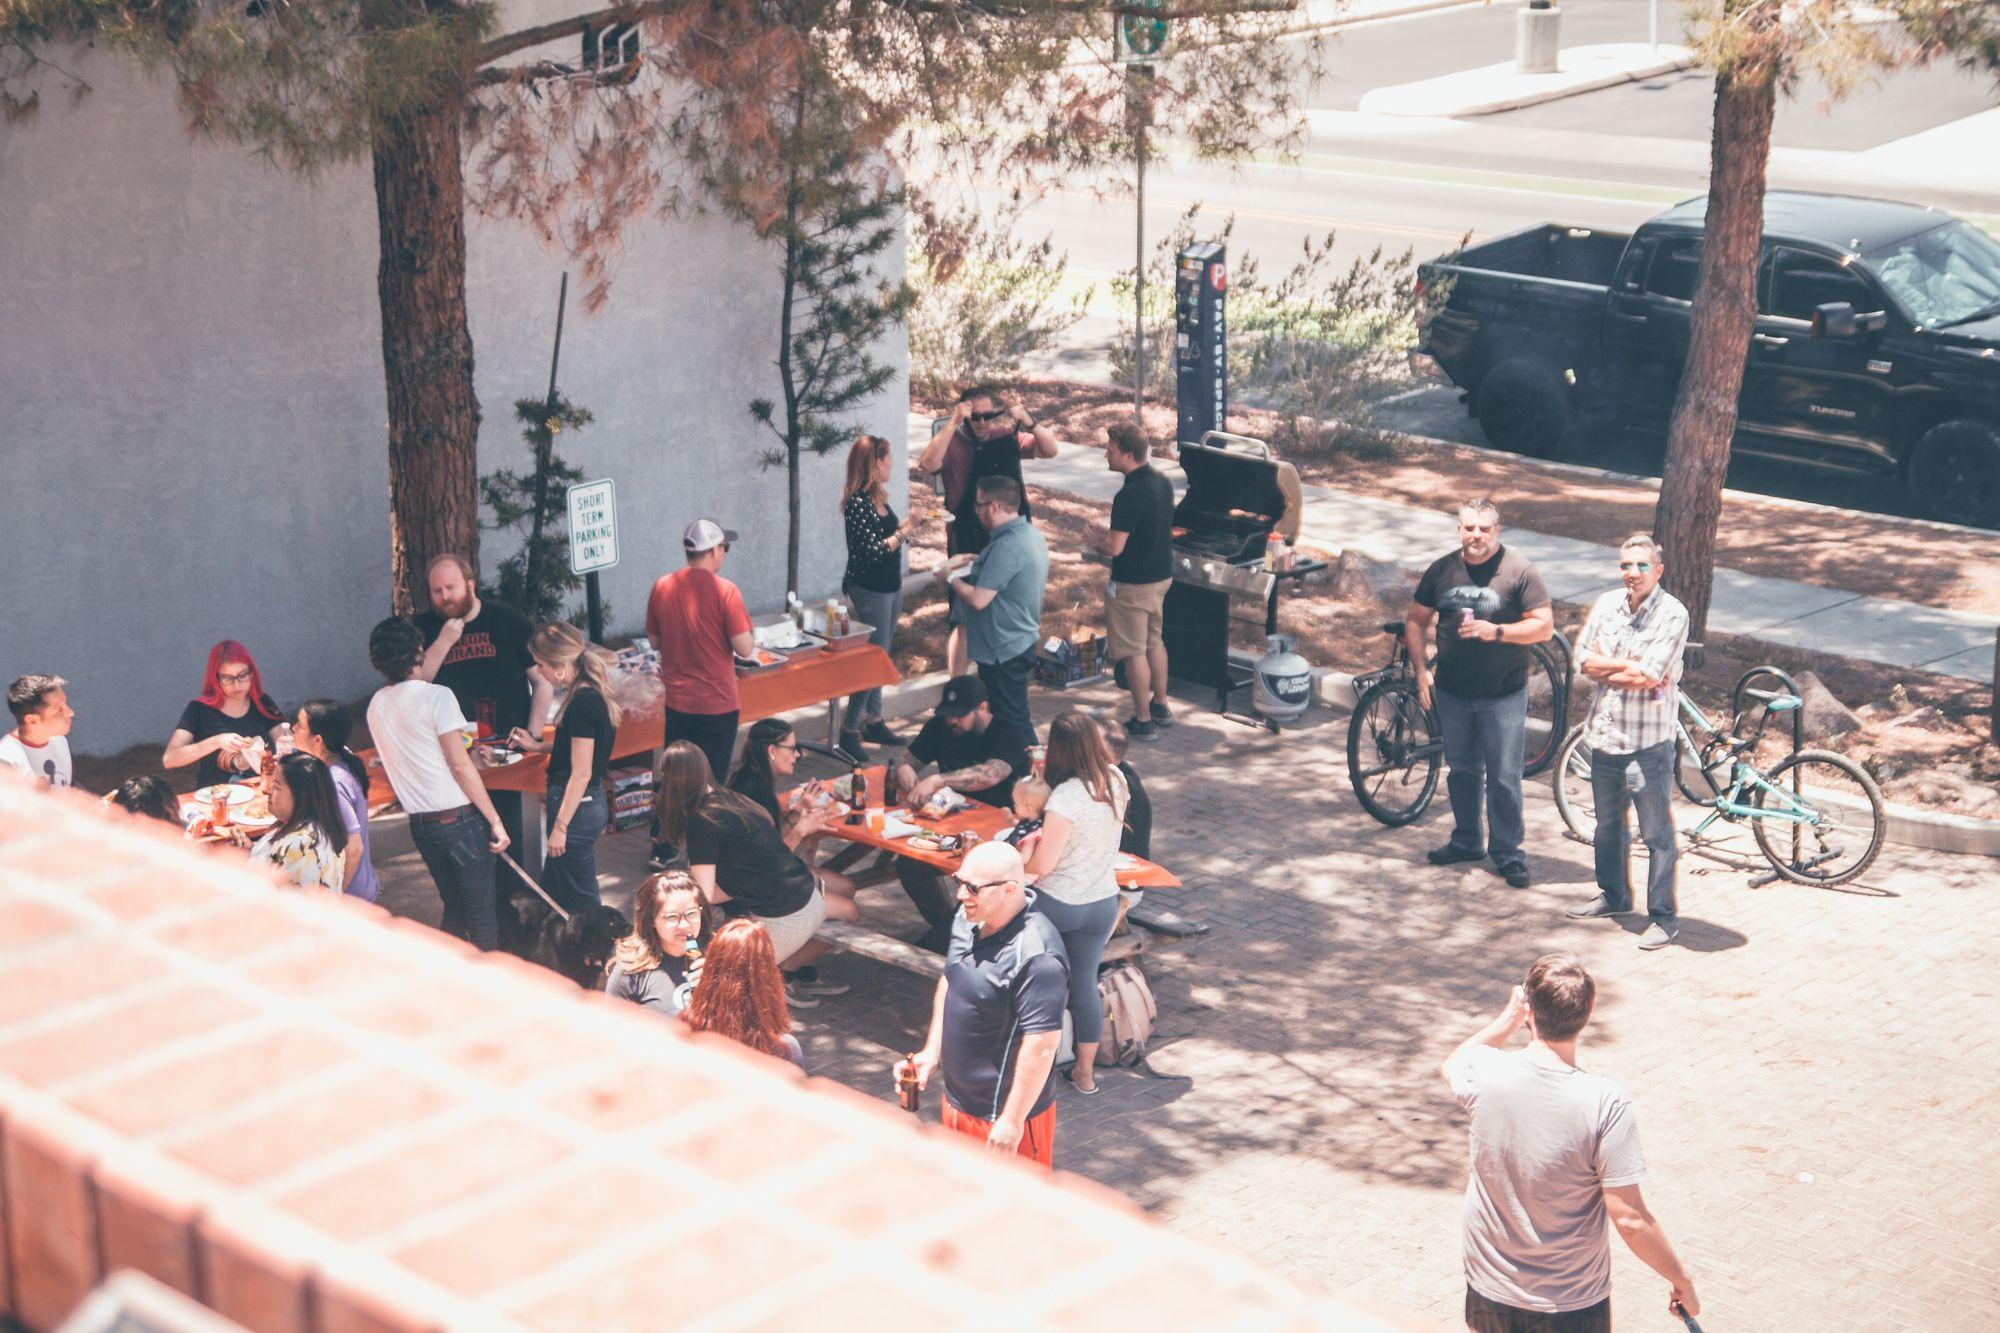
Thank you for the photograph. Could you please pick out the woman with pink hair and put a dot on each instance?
(220, 727)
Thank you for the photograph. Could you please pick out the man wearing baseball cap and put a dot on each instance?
(977, 756)
(697, 622)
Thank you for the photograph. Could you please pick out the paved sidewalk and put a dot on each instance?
(1503, 87)
(1778, 611)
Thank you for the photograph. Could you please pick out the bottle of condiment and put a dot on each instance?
(1274, 553)
(908, 1091)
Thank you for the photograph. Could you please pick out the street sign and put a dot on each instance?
(593, 526)
(1139, 37)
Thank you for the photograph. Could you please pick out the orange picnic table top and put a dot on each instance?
(988, 822)
(763, 694)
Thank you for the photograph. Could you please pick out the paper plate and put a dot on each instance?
(236, 793)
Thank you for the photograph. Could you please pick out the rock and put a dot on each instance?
(1824, 716)
(1926, 718)
(1365, 581)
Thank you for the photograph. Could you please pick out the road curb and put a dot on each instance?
(1433, 98)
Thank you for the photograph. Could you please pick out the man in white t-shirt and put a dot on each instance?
(419, 731)
(1555, 1164)
(38, 746)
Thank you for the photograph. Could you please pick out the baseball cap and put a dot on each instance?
(962, 694)
(705, 534)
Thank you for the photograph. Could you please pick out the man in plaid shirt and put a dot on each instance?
(1631, 646)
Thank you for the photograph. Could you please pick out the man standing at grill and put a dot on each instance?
(1631, 646)
(1001, 589)
(1488, 604)
(985, 437)
(998, 1015)
(1139, 540)
(696, 619)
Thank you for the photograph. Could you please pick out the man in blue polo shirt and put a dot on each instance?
(999, 1011)
(1001, 591)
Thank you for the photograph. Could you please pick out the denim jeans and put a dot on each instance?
(880, 609)
(457, 849)
(1007, 689)
(1643, 779)
(1485, 745)
(571, 879)
(714, 734)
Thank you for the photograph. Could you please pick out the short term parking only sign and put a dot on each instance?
(593, 526)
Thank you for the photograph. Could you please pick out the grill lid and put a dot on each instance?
(1229, 489)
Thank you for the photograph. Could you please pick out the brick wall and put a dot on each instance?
(310, 1116)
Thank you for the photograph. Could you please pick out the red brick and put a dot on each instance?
(331, 969)
(756, 1141)
(363, 1293)
(876, 1191)
(69, 976)
(255, 1269)
(47, 1156)
(373, 1101)
(879, 1305)
(717, 1259)
(634, 1094)
(231, 931)
(7, 1301)
(182, 1091)
(140, 897)
(384, 1191)
(1161, 1295)
(519, 1052)
(147, 1208)
(427, 1009)
(131, 1028)
(495, 1248)
(28, 924)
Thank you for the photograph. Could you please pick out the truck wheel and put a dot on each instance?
(1955, 472)
(1522, 409)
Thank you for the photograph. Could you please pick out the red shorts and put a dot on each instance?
(1038, 1136)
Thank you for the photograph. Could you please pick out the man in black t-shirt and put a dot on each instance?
(1139, 540)
(976, 757)
(1488, 604)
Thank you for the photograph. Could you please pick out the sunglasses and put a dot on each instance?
(1633, 566)
(970, 887)
(793, 746)
(991, 416)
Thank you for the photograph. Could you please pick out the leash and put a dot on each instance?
(528, 879)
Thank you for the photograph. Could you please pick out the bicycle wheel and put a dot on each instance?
(1576, 801)
(1826, 822)
(1392, 755)
(1688, 775)
(1548, 704)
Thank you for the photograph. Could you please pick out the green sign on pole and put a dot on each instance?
(1140, 36)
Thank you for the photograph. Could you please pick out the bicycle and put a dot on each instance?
(1816, 815)
(1395, 747)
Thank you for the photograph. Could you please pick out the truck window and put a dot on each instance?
(1943, 276)
(1675, 268)
(1801, 283)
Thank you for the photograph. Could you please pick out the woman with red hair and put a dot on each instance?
(219, 729)
(741, 993)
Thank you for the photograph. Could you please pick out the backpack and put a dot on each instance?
(1129, 1012)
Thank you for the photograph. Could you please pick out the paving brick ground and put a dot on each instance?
(1814, 1070)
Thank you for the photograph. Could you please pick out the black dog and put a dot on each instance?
(579, 948)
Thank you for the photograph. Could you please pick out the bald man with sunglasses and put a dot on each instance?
(998, 1016)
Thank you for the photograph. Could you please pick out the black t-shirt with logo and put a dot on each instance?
(1501, 591)
(1143, 510)
(998, 989)
(489, 664)
(587, 718)
(753, 866)
(952, 750)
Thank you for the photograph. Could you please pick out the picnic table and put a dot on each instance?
(826, 678)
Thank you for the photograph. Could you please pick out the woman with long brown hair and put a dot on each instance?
(651, 966)
(740, 860)
(742, 994)
(576, 798)
(874, 582)
(1074, 868)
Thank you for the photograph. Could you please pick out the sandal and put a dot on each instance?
(1069, 1077)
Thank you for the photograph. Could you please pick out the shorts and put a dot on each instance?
(789, 934)
(1038, 1136)
(1486, 1315)
(1132, 617)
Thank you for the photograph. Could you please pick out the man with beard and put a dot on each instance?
(1488, 604)
(985, 437)
(478, 650)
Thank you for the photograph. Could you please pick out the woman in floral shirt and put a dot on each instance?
(308, 848)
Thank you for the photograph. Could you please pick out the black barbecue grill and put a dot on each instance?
(1221, 527)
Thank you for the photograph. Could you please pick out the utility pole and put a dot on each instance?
(1139, 110)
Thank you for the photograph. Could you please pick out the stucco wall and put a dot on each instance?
(193, 437)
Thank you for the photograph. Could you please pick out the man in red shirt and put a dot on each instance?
(696, 621)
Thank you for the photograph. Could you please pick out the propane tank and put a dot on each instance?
(1283, 688)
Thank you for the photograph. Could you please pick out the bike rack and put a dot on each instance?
(1791, 688)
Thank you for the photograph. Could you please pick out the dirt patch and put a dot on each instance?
(1828, 547)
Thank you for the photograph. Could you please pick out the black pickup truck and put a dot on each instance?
(1877, 346)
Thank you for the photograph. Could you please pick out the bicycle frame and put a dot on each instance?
(1743, 776)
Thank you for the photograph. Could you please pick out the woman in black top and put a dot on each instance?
(578, 807)
(218, 730)
(771, 756)
(874, 582)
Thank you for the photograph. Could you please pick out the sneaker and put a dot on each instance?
(1658, 936)
(1516, 874)
(1596, 907)
(1163, 716)
(878, 733)
(796, 996)
(1139, 729)
(1451, 854)
(807, 981)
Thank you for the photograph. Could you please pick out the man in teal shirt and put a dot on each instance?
(1001, 590)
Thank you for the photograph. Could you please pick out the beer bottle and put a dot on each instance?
(858, 788)
(907, 1089)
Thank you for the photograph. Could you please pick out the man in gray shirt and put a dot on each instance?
(1555, 1157)
(1001, 590)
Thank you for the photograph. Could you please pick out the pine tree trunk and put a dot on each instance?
(1723, 318)
(426, 347)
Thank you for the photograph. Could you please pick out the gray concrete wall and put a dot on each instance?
(193, 436)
